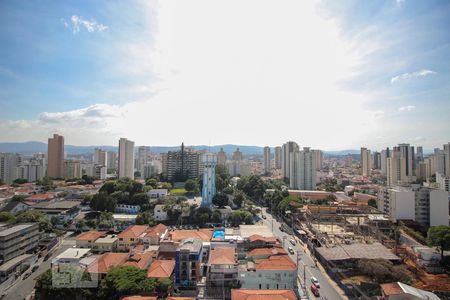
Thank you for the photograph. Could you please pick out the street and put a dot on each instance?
(22, 288)
(326, 288)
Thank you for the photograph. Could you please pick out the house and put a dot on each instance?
(401, 291)
(127, 209)
(105, 262)
(105, 244)
(71, 256)
(38, 198)
(140, 260)
(157, 193)
(243, 294)
(264, 253)
(274, 273)
(204, 235)
(87, 239)
(15, 207)
(64, 211)
(160, 213)
(222, 265)
(130, 236)
(161, 269)
(122, 221)
(155, 234)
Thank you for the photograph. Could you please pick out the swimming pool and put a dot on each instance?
(219, 234)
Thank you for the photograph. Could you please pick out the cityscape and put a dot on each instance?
(225, 150)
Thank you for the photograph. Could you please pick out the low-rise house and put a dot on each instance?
(276, 272)
(15, 207)
(122, 221)
(204, 235)
(157, 193)
(243, 294)
(161, 269)
(131, 236)
(401, 291)
(71, 256)
(63, 210)
(222, 265)
(160, 213)
(105, 262)
(87, 239)
(105, 244)
(264, 253)
(155, 234)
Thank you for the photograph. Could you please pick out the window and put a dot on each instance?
(277, 287)
(260, 286)
(267, 286)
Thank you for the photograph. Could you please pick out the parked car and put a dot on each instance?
(34, 268)
(291, 251)
(47, 257)
(292, 242)
(26, 275)
(315, 282)
(264, 217)
(281, 228)
(315, 290)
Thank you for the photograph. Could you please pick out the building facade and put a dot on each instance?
(303, 170)
(278, 157)
(55, 156)
(181, 165)
(126, 158)
(17, 240)
(267, 161)
(209, 178)
(287, 149)
(365, 162)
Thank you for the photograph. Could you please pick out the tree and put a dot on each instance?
(91, 224)
(190, 185)
(80, 224)
(220, 199)
(145, 218)
(373, 203)
(125, 280)
(87, 179)
(103, 202)
(166, 185)
(152, 182)
(216, 216)
(222, 178)
(109, 187)
(139, 199)
(7, 217)
(239, 198)
(439, 236)
(32, 216)
(20, 181)
(253, 186)
(238, 217)
(163, 286)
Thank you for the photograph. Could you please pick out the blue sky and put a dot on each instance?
(328, 74)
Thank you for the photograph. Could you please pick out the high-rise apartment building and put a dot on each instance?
(267, 160)
(278, 157)
(407, 152)
(55, 157)
(222, 157)
(303, 170)
(143, 159)
(101, 157)
(209, 178)
(385, 154)
(8, 167)
(126, 158)
(181, 165)
(349, 160)
(72, 169)
(287, 150)
(447, 159)
(237, 155)
(112, 160)
(365, 162)
(439, 161)
(419, 154)
(318, 159)
(376, 162)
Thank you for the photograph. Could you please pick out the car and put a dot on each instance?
(281, 228)
(264, 217)
(26, 275)
(291, 251)
(34, 268)
(292, 242)
(315, 290)
(315, 282)
(47, 257)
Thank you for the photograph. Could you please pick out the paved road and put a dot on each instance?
(326, 289)
(22, 288)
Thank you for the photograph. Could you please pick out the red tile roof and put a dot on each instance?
(390, 289)
(140, 260)
(201, 234)
(267, 252)
(133, 231)
(262, 295)
(106, 262)
(276, 262)
(223, 256)
(260, 238)
(161, 269)
(139, 298)
(91, 235)
(156, 231)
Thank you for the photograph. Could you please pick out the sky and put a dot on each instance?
(331, 74)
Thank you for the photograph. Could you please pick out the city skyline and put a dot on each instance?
(371, 75)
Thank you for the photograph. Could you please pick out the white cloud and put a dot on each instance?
(407, 108)
(405, 76)
(78, 23)
(400, 2)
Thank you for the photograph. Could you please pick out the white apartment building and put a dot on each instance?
(303, 170)
(286, 151)
(101, 157)
(126, 158)
(278, 157)
(8, 167)
(425, 205)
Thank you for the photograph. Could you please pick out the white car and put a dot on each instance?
(292, 242)
(315, 281)
(291, 251)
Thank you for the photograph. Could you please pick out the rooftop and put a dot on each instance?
(276, 262)
(262, 295)
(249, 230)
(16, 260)
(57, 205)
(398, 288)
(191, 245)
(156, 231)
(73, 253)
(91, 235)
(133, 231)
(139, 298)
(223, 256)
(161, 269)
(357, 251)
(139, 260)
(107, 261)
(201, 234)
(266, 252)
(106, 239)
(11, 230)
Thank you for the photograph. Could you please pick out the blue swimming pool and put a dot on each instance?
(219, 234)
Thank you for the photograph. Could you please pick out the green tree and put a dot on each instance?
(222, 178)
(80, 224)
(238, 217)
(125, 280)
(32, 216)
(152, 182)
(190, 185)
(164, 287)
(20, 181)
(216, 216)
(139, 199)
(373, 203)
(91, 224)
(166, 185)
(220, 199)
(253, 186)
(439, 236)
(17, 198)
(7, 217)
(239, 198)
(103, 202)
(145, 218)
(108, 187)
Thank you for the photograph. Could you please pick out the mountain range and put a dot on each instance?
(27, 148)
